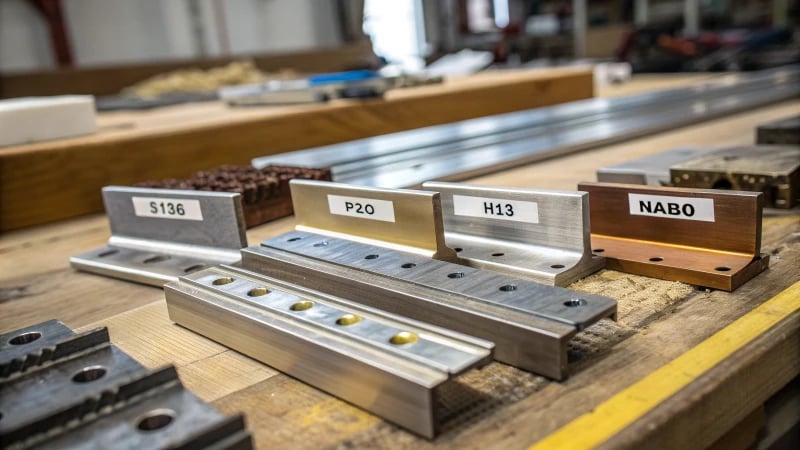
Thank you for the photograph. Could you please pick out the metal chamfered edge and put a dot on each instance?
(529, 323)
(389, 365)
(158, 235)
(78, 391)
(542, 235)
(705, 237)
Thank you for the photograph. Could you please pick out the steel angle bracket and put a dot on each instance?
(536, 234)
(530, 323)
(708, 238)
(400, 219)
(391, 366)
(158, 235)
(65, 390)
(771, 169)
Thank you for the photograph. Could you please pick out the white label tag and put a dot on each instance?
(686, 208)
(493, 208)
(365, 208)
(167, 208)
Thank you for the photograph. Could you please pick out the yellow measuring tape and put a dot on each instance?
(612, 416)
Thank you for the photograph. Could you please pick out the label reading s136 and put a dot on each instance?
(365, 208)
(167, 208)
(686, 208)
(493, 208)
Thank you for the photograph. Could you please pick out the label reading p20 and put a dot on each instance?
(365, 208)
(686, 208)
(167, 208)
(494, 208)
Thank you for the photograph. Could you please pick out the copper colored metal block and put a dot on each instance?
(704, 237)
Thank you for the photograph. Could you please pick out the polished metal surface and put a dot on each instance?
(188, 231)
(652, 169)
(468, 148)
(65, 390)
(387, 364)
(541, 235)
(529, 323)
(404, 219)
(771, 169)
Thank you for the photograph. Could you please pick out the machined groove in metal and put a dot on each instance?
(468, 148)
(771, 169)
(62, 390)
(530, 323)
(389, 365)
(400, 219)
(704, 237)
(158, 235)
(536, 234)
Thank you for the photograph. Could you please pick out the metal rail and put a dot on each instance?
(468, 148)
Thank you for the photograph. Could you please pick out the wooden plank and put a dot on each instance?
(51, 181)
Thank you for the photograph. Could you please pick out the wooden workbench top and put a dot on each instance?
(658, 321)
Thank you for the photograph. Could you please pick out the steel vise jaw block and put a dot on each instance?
(704, 237)
(390, 365)
(540, 235)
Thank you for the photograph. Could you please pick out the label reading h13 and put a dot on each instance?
(494, 208)
(167, 208)
(365, 208)
(686, 208)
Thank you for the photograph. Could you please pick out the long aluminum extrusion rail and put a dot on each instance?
(468, 148)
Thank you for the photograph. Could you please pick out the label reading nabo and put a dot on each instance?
(494, 208)
(686, 208)
(167, 208)
(365, 208)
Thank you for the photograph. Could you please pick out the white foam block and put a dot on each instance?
(32, 119)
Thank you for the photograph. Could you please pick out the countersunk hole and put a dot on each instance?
(722, 269)
(599, 250)
(498, 254)
(408, 266)
(371, 257)
(722, 183)
(294, 239)
(574, 302)
(455, 275)
(194, 268)
(656, 259)
(257, 292)
(155, 420)
(458, 249)
(88, 374)
(221, 281)
(557, 266)
(403, 337)
(156, 259)
(321, 244)
(508, 288)
(302, 305)
(25, 338)
(348, 319)
(108, 253)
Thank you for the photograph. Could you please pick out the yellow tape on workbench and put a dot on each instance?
(609, 418)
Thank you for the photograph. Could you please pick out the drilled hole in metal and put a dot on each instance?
(371, 257)
(599, 250)
(221, 281)
(156, 259)
(194, 268)
(557, 266)
(108, 253)
(348, 319)
(156, 420)
(722, 269)
(25, 338)
(294, 239)
(508, 288)
(656, 259)
(722, 183)
(302, 305)
(498, 254)
(458, 249)
(574, 302)
(88, 374)
(321, 244)
(257, 292)
(403, 337)
(408, 266)
(455, 275)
